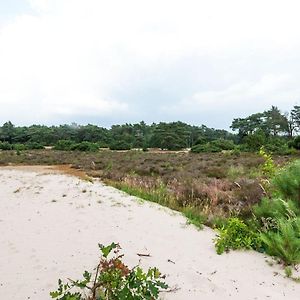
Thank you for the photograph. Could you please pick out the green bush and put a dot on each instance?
(236, 235)
(34, 146)
(268, 168)
(64, 145)
(214, 146)
(20, 147)
(295, 143)
(6, 146)
(285, 241)
(278, 146)
(85, 146)
(269, 211)
(113, 280)
(287, 181)
(119, 145)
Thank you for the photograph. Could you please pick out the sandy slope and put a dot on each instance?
(50, 225)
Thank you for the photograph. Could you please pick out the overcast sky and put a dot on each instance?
(117, 61)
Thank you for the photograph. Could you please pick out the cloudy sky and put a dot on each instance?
(116, 61)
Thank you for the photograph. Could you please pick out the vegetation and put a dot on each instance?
(113, 280)
(242, 183)
(236, 235)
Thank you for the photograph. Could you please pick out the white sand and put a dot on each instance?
(42, 240)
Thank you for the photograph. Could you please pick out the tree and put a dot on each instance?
(276, 122)
(7, 132)
(295, 116)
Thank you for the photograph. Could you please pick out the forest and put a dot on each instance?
(274, 130)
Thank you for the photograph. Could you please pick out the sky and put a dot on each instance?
(112, 62)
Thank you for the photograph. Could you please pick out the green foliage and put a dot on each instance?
(34, 146)
(67, 145)
(6, 146)
(214, 146)
(269, 211)
(119, 145)
(288, 271)
(254, 141)
(64, 145)
(236, 235)
(285, 241)
(20, 147)
(85, 146)
(295, 143)
(287, 181)
(194, 216)
(268, 168)
(278, 218)
(113, 281)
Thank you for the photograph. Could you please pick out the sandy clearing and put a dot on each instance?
(50, 225)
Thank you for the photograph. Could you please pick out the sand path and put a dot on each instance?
(50, 225)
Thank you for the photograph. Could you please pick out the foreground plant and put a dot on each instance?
(113, 281)
(236, 235)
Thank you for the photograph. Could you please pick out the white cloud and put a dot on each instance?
(76, 57)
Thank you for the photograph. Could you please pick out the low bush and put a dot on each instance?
(287, 181)
(214, 146)
(295, 143)
(64, 145)
(236, 235)
(6, 146)
(113, 280)
(68, 145)
(20, 147)
(119, 145)
(268, 168)
(34, 146)
(85, 146)
(269, 211)
(285, 241)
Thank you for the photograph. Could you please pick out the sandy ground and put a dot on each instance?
(50, 225)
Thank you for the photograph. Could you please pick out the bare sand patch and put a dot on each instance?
(51, 223)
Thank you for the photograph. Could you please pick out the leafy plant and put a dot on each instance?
(269, 167)
(113, 281)
(236, 235)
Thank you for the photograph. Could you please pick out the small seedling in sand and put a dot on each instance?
(288, 271)
(113, 281)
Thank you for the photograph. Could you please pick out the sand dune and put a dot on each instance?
(50, 225)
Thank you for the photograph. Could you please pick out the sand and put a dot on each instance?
(51, 223)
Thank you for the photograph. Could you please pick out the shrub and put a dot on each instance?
(6, 146)
(214, 146)
(269, 211)
(285, 241)
(295, 143)
(119, 145)
(113, 280)
(236, 235)
(34, 146)
(268, 168)
(287, 181)
(20, 147)
(64, 145)
(85, 146)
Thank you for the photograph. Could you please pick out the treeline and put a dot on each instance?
(274, 130)
(169, 136)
